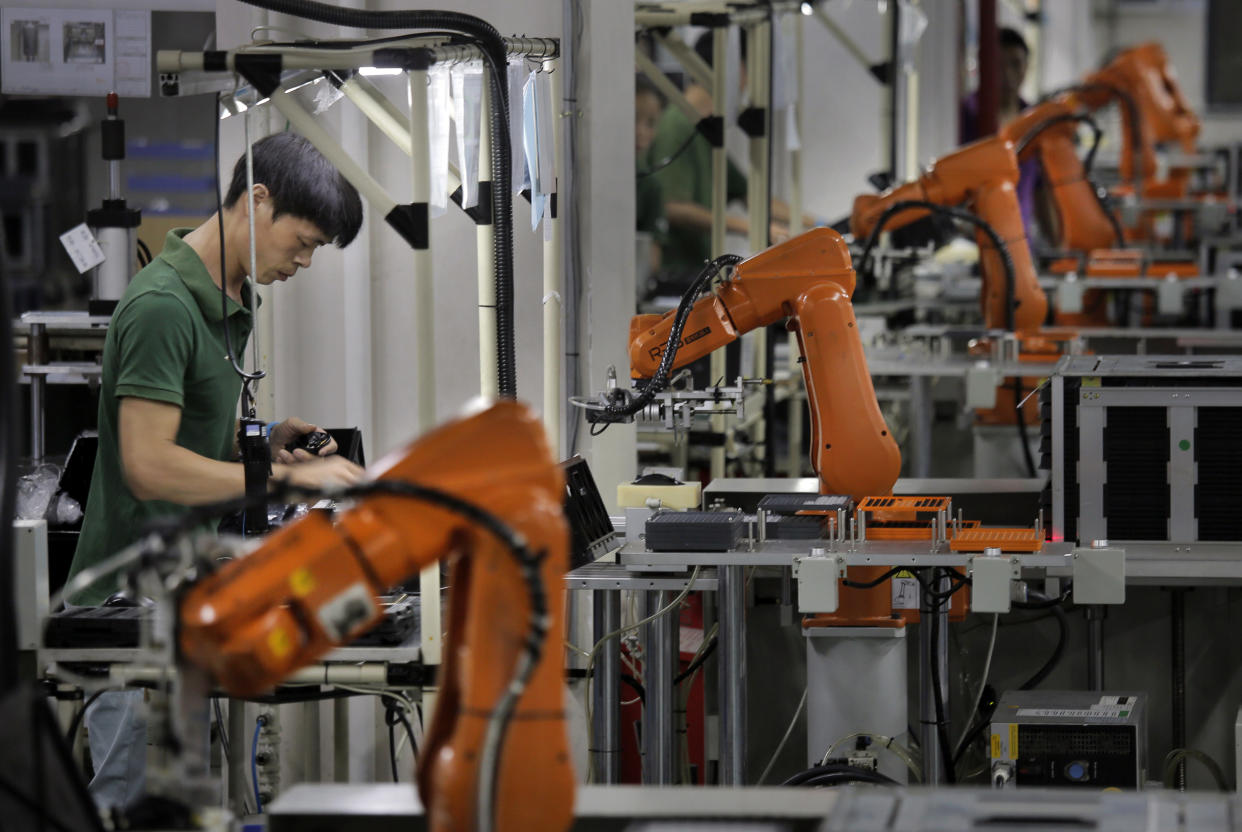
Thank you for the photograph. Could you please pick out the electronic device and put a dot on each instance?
(1144, 450)
(312, 442)
(1069, 738)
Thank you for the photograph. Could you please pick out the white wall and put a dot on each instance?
(845, 132)
(1182, 29)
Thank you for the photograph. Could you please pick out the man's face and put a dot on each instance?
(646, 115)
(1013, 70)
(283, 245)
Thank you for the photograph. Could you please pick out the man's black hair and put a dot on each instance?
(644, 86)
(303, 184)
(1011, 37)
(705, 46)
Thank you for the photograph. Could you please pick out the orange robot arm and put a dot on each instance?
(808, 281)
(981, 176)
(1143, 73)
(313, 585)
(1048, 130)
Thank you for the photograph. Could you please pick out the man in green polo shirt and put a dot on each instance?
(683, 161)
(169, 394)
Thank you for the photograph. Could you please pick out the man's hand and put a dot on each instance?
(289, 431)
(319, 474)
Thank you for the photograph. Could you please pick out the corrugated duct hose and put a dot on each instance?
(493, 46)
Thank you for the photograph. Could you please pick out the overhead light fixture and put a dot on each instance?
(808, 9)
(370, 71)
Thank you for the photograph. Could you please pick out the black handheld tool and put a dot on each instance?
(312, 442)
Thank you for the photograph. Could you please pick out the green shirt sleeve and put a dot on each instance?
(156, 339)
(677, 180)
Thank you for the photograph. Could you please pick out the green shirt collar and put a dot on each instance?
(178, 254)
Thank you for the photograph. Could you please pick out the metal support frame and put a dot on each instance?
(605, 731)
(553, 280)
(720, 46)
(933, 650)
(1095, 614)
(660, 648)
(731, 669)
(36, 353)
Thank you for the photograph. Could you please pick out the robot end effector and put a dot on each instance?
(806, 281)
(982, 177)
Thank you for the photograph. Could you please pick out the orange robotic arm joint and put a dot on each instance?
(496, 747)
(806, 281)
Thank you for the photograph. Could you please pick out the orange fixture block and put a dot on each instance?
(1007, 540)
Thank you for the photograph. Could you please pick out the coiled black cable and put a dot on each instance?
(495, 52)
(1087, 162)
(1011, 303)
(659, 380)
(834, 774)
(1134, 122)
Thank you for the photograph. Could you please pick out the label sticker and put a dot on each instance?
(1094, 712)
(996, 746)
(1013, 740)
(905, 592)
(301, 582)
(279, 643)
(82, 247)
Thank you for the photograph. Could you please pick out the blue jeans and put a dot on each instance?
(116, 724)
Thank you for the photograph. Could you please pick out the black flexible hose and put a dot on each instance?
(495, 52)
(661, 376)
(1087, 163)
(847, 774)
(1058, 651)
(1134, 122)
(932, 609)
(1011, 303)
(8, 491)
(958, 214)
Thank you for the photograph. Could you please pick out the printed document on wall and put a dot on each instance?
(75, 52)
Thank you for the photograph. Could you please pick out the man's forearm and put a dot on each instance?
(694, 216)
(178, 475)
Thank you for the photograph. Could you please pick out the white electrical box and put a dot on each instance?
(1099, 575)
(817, 578)
(989, 586)
(30, 574)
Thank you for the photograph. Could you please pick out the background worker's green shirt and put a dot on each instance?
(165, 343)
(688, 178)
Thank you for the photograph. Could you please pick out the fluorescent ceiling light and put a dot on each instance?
(369, 71)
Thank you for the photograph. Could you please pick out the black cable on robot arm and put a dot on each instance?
(495, 52)
(661, 377)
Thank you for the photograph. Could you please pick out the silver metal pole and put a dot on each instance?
(731, 596)
(485, 258)
(1095, 646)
(921, 413)
(720, 45)
(659, 732)
(796, 380)
(237, 752)
(36, 353)
(553, 278)
(605, 726)
(929, 739)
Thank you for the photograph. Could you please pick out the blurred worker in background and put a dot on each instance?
(681, 159)
(1015, 58)
(649, 202)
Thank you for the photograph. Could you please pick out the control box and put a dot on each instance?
(1069, 738)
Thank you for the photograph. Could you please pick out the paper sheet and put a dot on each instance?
(75, 52)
